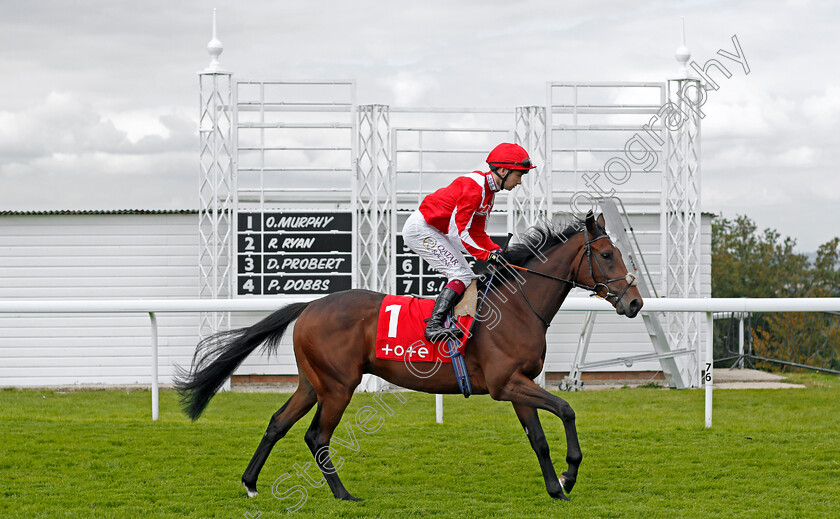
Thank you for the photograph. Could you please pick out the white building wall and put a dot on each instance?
(95, 256)
(154, 255)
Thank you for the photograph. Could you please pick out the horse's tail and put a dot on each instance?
(218, 356)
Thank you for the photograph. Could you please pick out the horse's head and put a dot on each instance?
(602, 267)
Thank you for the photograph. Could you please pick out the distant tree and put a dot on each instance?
(746, 263)
(825, 280)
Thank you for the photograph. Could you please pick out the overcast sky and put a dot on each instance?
(99, 102)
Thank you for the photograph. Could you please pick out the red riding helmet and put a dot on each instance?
(510, 156)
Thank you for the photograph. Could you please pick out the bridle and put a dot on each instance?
(595, 289)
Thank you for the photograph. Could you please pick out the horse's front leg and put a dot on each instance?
(533, 429)
(521, 390)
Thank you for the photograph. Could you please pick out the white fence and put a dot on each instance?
(155, 306)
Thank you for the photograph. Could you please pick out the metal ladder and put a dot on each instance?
(662, 350)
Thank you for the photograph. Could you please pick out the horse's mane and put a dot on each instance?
(534, 242)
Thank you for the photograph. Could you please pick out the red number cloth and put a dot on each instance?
(399, 334)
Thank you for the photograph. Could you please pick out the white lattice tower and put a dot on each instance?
(374, 197)
(682, 214)
(531, 201)
(216, 186)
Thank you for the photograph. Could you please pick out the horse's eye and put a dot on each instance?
(606, 255)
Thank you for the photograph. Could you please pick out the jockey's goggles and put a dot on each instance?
(525, 163)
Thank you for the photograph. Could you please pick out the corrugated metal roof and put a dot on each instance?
(95, 211)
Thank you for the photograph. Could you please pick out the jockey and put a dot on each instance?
(455, 215)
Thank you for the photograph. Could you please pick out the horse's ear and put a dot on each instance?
(590, 223)
(601, 221)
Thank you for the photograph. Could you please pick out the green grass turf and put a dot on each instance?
(770, 453)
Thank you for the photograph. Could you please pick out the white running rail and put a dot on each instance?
(574, 304)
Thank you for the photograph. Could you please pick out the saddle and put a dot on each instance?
(399, 332)
(468, 303)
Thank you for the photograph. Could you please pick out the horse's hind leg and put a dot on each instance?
(293, 410)
(327, 416)
(533, 429)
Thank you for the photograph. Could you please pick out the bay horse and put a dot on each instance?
(334, 344)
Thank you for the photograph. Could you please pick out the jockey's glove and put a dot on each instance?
(497, 257)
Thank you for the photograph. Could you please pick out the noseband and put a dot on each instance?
(595, 289)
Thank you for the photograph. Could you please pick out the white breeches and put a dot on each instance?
(441, 251)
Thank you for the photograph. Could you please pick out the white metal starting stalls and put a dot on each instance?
(304, 192)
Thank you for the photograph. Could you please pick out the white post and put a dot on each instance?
(439, 408)
(709, 377)
(155, 399)
(540, 380)
(741, 340)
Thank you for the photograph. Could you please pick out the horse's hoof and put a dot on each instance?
(252, 491)
(567, 482)
(560, 496)
(350, 497)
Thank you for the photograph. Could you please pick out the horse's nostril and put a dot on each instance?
(635, 306)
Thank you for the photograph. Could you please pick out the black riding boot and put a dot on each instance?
(435, 331)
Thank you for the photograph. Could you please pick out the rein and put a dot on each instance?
(630, 278)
